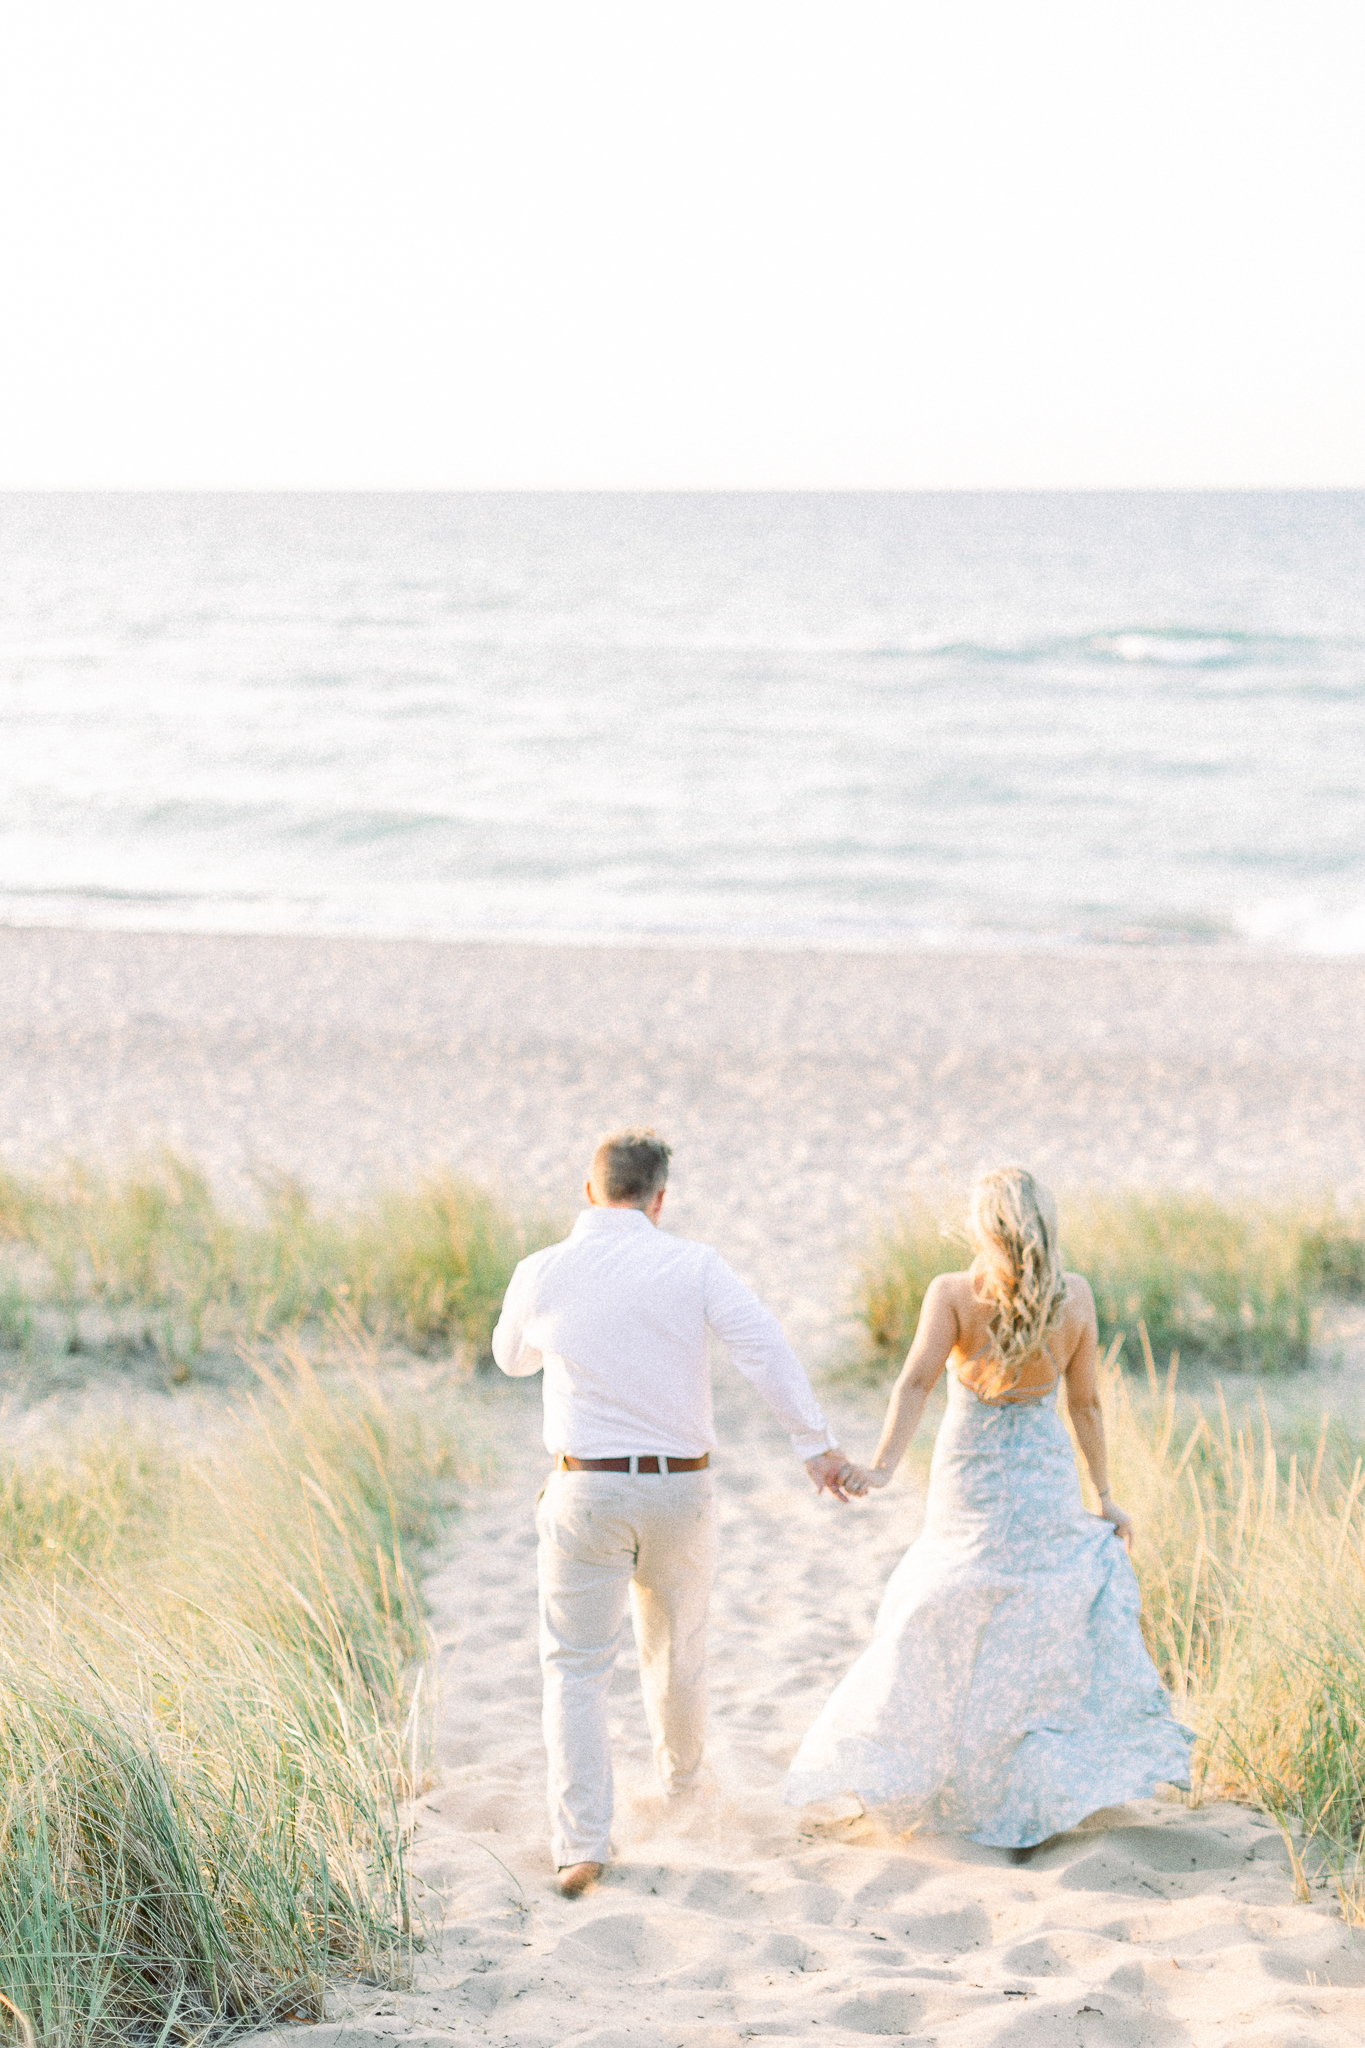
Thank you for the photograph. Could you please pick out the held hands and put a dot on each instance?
(831, 1472)
(835, 1473)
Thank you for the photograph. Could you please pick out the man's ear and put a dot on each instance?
(587, 1189)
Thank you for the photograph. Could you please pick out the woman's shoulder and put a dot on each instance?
(955, 1294)
(953, 1287)
(1080, 1301)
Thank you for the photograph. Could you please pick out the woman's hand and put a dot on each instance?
(1121, 1519)
(862, 1478)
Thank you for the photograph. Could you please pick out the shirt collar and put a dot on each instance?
(610, 1219)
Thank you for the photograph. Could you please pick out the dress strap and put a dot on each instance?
(1033, 1399)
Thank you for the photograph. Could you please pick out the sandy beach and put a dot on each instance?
(801, 1091)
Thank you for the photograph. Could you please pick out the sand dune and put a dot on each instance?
(732, 1918)
(800, 1091)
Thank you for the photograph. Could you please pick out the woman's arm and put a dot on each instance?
(934, 1339)
(1083, 1406)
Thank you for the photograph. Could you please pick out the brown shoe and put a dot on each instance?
(575, 1878)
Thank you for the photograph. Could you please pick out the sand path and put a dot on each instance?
(739, 1919)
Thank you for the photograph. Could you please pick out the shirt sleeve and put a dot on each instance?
(753, 1336)
(511, 1352)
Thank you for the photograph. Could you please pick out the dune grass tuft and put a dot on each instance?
(893, 1276)
(210, 1708)
(152, 1252)
(1252, 1564)
(1236, 1284)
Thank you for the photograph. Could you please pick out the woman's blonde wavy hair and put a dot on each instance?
(1012, 1225)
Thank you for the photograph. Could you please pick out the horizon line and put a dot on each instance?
(27, 490)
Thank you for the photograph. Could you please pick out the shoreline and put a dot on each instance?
(957, 943)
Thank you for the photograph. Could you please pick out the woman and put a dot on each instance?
(1006, 1692)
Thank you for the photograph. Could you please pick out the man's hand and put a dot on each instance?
(830, 1472)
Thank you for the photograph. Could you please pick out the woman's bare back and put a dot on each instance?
(971, 1356)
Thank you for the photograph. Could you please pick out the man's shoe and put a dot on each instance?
(574, 1878)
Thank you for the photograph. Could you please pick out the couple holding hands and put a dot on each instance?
(1006, 1692)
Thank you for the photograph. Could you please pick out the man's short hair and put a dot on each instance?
(630, 1166)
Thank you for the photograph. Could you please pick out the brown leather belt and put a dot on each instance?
(564, 1463)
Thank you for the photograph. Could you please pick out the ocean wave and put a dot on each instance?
(1118, 647)
(332, 661)
(1166, 647)
(1302, 924)
(1187, 648)
(495, 915)
(1059, 724)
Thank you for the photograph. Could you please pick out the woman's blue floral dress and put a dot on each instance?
(1007, 1691)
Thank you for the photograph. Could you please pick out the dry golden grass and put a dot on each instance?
(211, 1707)
(1252, 1563)
(152, 1252)
(1236, 1284)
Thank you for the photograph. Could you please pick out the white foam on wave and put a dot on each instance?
(512, 917)
(1301, 924)
(1170, 650)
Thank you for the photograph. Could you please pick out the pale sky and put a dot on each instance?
(768, 243)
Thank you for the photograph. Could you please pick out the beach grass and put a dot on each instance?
(1234, 1284)
(1251, 1557)
(150, 1257)
(211, 1704)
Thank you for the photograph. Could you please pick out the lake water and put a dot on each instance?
(836, 719)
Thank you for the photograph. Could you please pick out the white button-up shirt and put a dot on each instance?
(617, 1316)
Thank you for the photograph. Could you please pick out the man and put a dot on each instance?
(617, 1315)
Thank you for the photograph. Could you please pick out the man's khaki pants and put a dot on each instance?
(603, 1536)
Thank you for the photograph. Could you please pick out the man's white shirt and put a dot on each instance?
(617, 1315)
